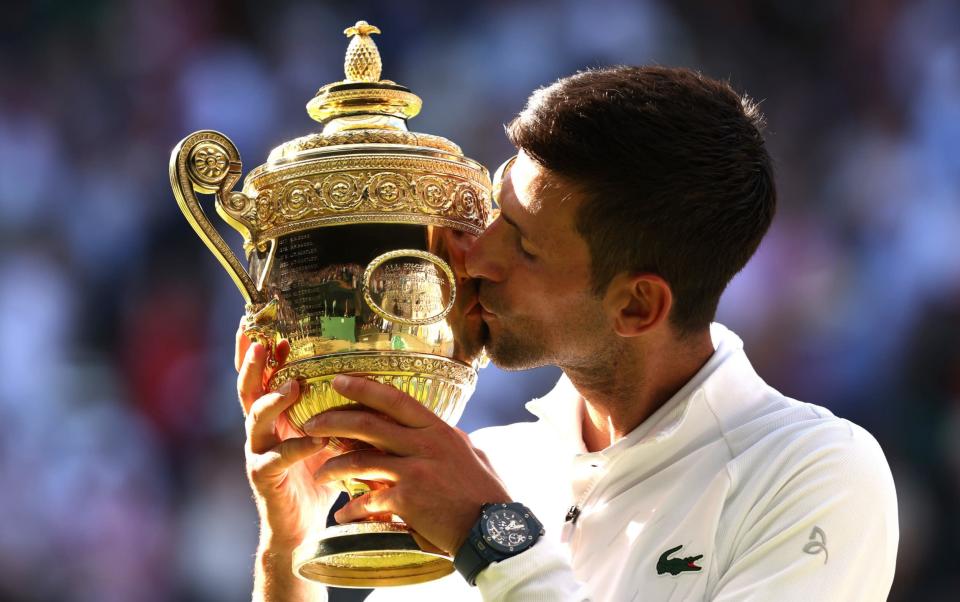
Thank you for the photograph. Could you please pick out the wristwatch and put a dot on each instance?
(503, 530)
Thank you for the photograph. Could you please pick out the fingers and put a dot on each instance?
(241, 346)
(280, 353)
(250, 378)
(483, 458)
(276, 461)
(425, 545)
(377, 501)
(386, 399)
(366, 426)
(361, 465)
(261, 431)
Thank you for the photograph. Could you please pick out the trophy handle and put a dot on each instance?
(208, 162)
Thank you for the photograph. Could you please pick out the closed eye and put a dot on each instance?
(524, 250)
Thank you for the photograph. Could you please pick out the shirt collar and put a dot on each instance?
(561, 410)
(561, 407)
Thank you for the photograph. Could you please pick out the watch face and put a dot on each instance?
(506, 529)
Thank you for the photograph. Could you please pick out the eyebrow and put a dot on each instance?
(513, 222)
(510, 221)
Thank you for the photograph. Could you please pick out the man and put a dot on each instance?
(661, 467)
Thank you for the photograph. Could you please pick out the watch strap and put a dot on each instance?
(469, 561)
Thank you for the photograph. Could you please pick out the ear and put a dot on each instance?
(637, 303)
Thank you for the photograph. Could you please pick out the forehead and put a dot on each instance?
(541, 203)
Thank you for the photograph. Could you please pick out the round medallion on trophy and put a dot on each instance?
(409, 287)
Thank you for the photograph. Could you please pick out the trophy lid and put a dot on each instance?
(364, 166)
(362, 92)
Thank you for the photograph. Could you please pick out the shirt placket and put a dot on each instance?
(588, 470)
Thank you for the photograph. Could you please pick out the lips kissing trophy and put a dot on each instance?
(348, 234)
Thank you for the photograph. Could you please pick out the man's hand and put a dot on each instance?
(436, 480)
(280, 463)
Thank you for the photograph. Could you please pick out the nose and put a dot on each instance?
(484, 259)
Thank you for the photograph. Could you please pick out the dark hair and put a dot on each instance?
(675, 174)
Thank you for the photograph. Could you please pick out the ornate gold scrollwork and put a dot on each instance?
(433, 193)
(298, 199)
(208, 162)
(374, 362)
(363, 189)
(466, 200)
(341, 192)
(388, 191)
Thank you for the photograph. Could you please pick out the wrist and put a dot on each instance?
(275, 581)
(283, 527)
(274, 558)
(278, 542)
(470, 520)
(464, 534)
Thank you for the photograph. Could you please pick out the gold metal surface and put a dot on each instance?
(355, 105)
(362, 63)
(208, 162)
(439, 383)
(260, 325)
(356, 554)
(359, 186)
(350, 233)
(290, 150)
(420, 290)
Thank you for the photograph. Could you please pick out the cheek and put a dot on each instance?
(567, 295)
(536, 293)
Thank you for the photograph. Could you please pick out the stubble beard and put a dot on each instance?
(581, 351)
(521, 347)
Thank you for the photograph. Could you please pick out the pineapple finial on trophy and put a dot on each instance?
(363, 100)
(362, 63)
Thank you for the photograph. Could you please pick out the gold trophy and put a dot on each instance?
(350, 234)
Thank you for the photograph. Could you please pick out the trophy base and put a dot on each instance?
(368, 554)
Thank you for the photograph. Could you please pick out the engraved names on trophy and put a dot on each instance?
(320, 303)
(412, 290)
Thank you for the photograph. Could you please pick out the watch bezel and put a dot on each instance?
(530, 523)
(480, 549)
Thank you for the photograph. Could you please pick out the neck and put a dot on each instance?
(629, 388)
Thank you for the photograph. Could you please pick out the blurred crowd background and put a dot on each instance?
(121, 464)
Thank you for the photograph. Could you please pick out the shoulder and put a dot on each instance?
(798, 474)
(791, 457)
(796, 463)
(784, 437)
(762, 428)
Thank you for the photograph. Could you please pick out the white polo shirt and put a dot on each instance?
(730, 491)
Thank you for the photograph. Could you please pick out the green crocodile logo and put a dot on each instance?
(675, 566)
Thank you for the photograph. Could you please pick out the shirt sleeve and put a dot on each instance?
(826, 530)
(540, 574)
